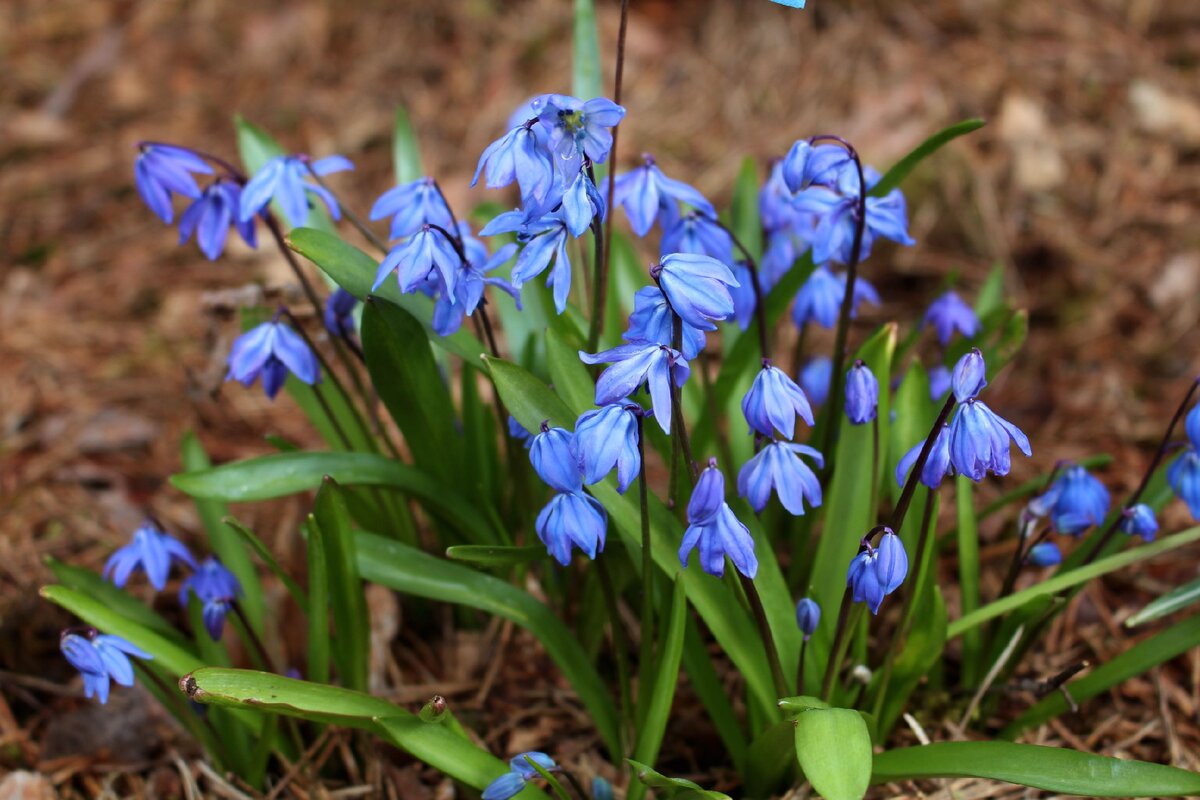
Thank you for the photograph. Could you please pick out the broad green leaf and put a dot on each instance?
(794, 705)
(1169, 603)
(672, 788)
(411, 571)
(569, 375)
(351, 623)
(281, 474)
(98, 589)
(1052, 769)
(586, 82)
(833, 747)
(495, 556)
(1070, 579)
(406, 153)
(968, 575)
(319, 648)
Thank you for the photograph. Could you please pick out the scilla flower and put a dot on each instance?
(979, 438)
(634, 364)
(411, 206)
(151, 551)
(1044, 554)
(283, 179)
(773, 403)
(820, 298)
(862, 394)
(698, 233)
(451, 309)
(339, 313)
(1183, 475)
(651, 321)
(877, 572)
(808, 616)
(520, 772)
(572, 519)
(555, 458)
(948, 314)
(607, 438)
(833, 240)
(547, 242)
(808, 164)
(697, 287)
(413, 260)
(210, 216)
(647, 194)
(99, 659)
(163, 169)
(1139, 520)
(713, 528)
(814, 378)
(577, 128)
(216, 588)
(581, 204)
(1076, 501)
(777, 467)
(518, 156)
(271, 350)
(936, 465)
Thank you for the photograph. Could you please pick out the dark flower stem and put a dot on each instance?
(355, 220)
(255, 643)
(910, 485)
(487, 327)
(646, 645)
(1022, 552)
(453, 219)
(760, 309)
(619, 643)
(764, 629)
(838, 649)
(800, 666)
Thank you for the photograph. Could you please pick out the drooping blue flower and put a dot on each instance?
(1044, 554)
(936, 465)
(862, 393)
(216, 588)
(581, 204)
(939, 382)
(518, 432)
(777, 467)
(339, 313)
(651, 322)
(507, 786)
(150, 550)
(949, 313)
(877, 572)
(697, 287)
(775, 207)
(808, 616)
(634, 364)
(745, 301)
(520, 764)
(100, 658)
(814, 379)
(808, 164)
(412, 206)
(773, 403)
(1139, 520)
(555, 458)
(519, 156)
(1076, 501)
(547, 242)
(210, 216)
(163, 169)
(1183, 475)
(577, 128)
(979, 441)
(647, 194)
(572, 519)
(833, 239)
(451, 309)
(414, 259)
(715, 530)
(606, 438)
(700, 234)
(820, 298)
(969, 377)
(271, 350)
(283, 179)
(520, 772)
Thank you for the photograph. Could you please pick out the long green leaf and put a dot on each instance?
(570, 377)
(744, 214)
(586, 82)
(834, 750)
(1169, 603)
(351, 623)
(92, 585)
(902, 168)
(319, 648)
(1053, 769)
(268, 558)
(672, 788)
(406, 153)
(494, 556)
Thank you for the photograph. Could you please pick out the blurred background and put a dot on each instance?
(1085, 184)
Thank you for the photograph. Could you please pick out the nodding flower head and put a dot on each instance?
(1044, 554)
(697, 287)
(162, 170)
(555, 457)
(217, 589)
(876, 572)
(1139, 520)
(210, 216)
(647, 194)
(862, 394)
(635, 364)
(271, 350)
(773, 403)
(808, 164)
(1183, 475)
(937, 465)
(948, 314)
(713, 528)
(100, 658)
(572, 519)
(820, 298)
(1075, 501)
(284, 179)
(152, 551)
(777, 467)
(520, 772)
(979, 437)
(412, 206)
(577, 128)
(815, 377)
(651, 321)
(607, 438)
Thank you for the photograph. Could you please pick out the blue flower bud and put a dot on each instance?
(970, 376)
(948, 314)
(506, 786)
(877, 572)
(601, 789)
(807, 164)
(555, 458)
(1045, 554)
(862, 394)
(808, 616)
(1139, 520)
(339, 313)
(697, 287)
(892, 563)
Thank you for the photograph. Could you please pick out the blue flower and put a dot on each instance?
(555, 458)
(506, 786)
(807, 164)
(519, 156)
(936, 465)
(572, 518)
(697, 287)
(271, 350)
(339, 313)
(520, 772)
(99, 659)
(833, 239)
(577, 128)
(150, 550)
(1184, 476)
(700, 234)
(412, 206)
(948, 314)
(283, 179)
(547, 242)
(979, 441)
(744, 299)
(877, 572)
(777, 466)
(939, 382)
(651, 322)
(1139, 520)
(647, 194)
(713, 528)
(217, 589)
(814, 378)
(1044, 554)
(1192, 426)
(773, 403)
(520, 764)
(417, 257)
(581, 204)
(808, 616)
(606, 438)
(862, 394)
(161, 169)
(451, 308)
(820, 298)
(601, 789)
(210, 215)
(634, 364)
(518, 432)
(969, 377)
(1076, 501)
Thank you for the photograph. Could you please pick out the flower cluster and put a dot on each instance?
(876, 572)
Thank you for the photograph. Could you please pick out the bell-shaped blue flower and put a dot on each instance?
(815, 377)
(969, 377)
(808, 616)
(555, 458)
(634, 364)
(820, 298)
(647, 194)
(775, 207)
(715, 530)
(413, 260)
(518, 156)
(607, 438)
(412, 206)
(572, 519)
(699, 234)
(936, 465)
(1183, 475)
(217, 589)
(773, 403)
(577, 128)
(1078, 502)
(777, 467)
(150, 550)
(862, 393)
(808, 164)
(1192, 426)
(1139, 520)
(271, 350)
(697, 287)
(949, 313)
(520, 764)
(1044, 554)
(651, 321)
(520, 772)
(548, 243)
(210, 216)
(339, 313)
(877, 572)
(833, 239)
(283, 179)
(100, 658)
(979, 441)
(451, 309)
(581, 204)
(163, 169)
(507, 786)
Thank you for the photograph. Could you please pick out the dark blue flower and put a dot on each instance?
(820, 298)
(777, 467)
(1139, 520)
(519, 156)
(217, 589)
(651, 322)
(601, 789)
(877, 572)
(744, 298)
(1183, 475)
(577, 128)
(948, 314)
(713, 528)
(773, 403)
(936, 465)
(283, 179)
(969, 377)
(339, 313)
(99, 659)
(939, 382)
(697, 287)
(572, 518)
(635, 364)
(814, 379)
(547, 242)
(520, 772)
(555, 458)
(506, 786)
(700, 234)
(862, 394)
(808, 616)
(412, 206)
(150, 550)
(417, 257)
(271, 350)
(1044, 554)
(647, 194)
(210, 216)
(807, 164)
(1076, 501)
(161, 169)
(520, 764)
(606, 438)
(581, 203)
(979, 441)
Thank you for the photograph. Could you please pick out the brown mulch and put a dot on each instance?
(1085, 185)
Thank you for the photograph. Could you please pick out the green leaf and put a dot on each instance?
(968, 575)
(406, 153)
(1052, 769)
(708, 687)
(1169, 603)
(991, 294)
(915, 415)
(1067, 580)
(494, 556)
(281, 474)
(833, 747)
(922, 649)
(794, 705)
(410, 571)
(346, 598)
(101, 591)
(268, 558)
(570, 377)
(672, 788)
(901, 169)
(318, 604)
(744, 214)
(586, 82)
(770, 759)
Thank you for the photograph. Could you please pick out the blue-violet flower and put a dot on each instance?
(150, 550)
(777, 466)
(572, 518)
(606, 438)
(713, 528)
(271, 350)
(773, 403)
(283, 179)
(161, 169)
(634, 364)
